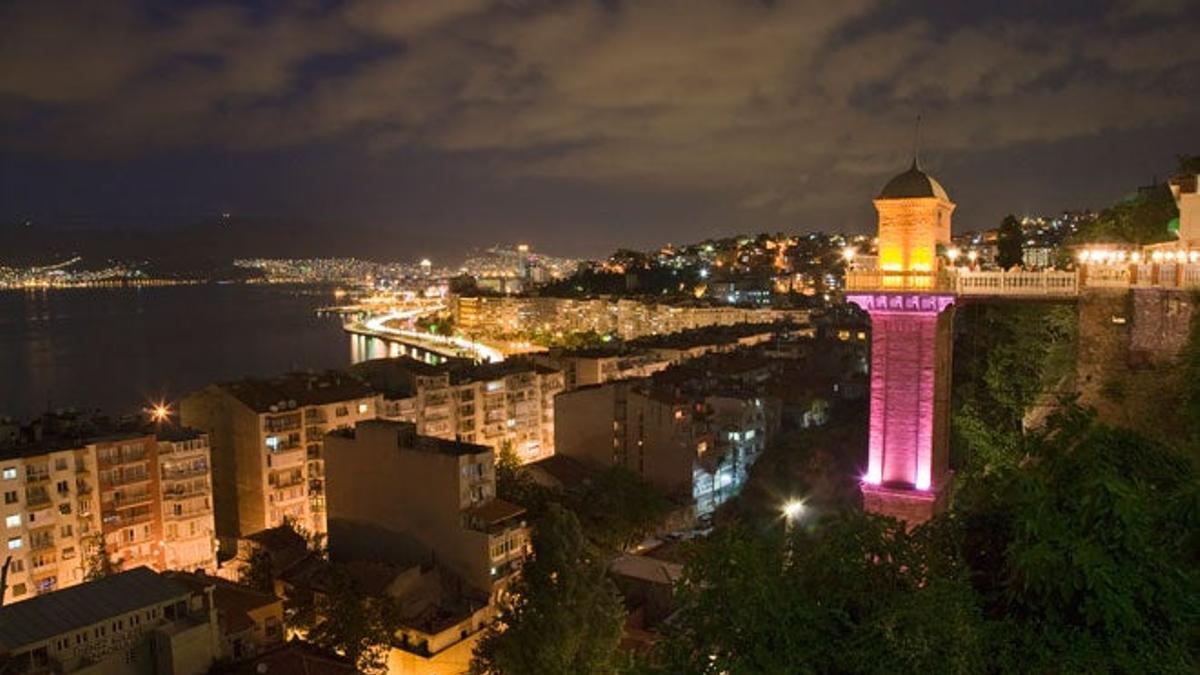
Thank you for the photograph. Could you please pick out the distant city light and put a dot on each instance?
(953, 254)
(848, 253)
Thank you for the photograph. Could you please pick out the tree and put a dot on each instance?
(259, 573)
(1006, 360)
(346, 621)
(99, 563)
(563, 615)
(1081, 558)
(617, 509)
(857, 594)
(1010, 240)
(1085, 554)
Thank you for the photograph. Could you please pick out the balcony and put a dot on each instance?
(181, 493)
(124, 479)
(192, 471)
(35, 477)
(36, 498)
(41, 543)
(116, 458)
(127, 519)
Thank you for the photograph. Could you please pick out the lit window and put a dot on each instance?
(273, 442)
(362, 408)
(10, 472)
(14, 543)
(13, 521)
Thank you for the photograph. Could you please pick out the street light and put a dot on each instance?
(848, 254)
(160, 412)
(952, 254)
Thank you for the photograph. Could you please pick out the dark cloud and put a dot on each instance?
(784, 108)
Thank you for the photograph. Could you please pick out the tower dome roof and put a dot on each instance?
(911, 184)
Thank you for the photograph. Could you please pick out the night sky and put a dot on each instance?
(583, 126)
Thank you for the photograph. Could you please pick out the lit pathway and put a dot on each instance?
(378, 325)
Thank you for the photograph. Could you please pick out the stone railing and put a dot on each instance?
(1016, 283)
(1022, 283)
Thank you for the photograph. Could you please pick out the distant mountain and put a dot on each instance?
(212, 244)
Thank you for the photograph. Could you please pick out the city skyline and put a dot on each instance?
(583, 126)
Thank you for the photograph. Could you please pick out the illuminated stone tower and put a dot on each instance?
(911, 345)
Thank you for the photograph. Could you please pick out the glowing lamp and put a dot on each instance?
(1135, 257)
(873, 477)
(972, 255)
(952, 254)
(923, 482)
(1193, 256)
(793, 509)
(1157, 256)
(160, 412)
(848, 254)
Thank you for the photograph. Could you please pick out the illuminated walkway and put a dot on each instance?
(453, 346)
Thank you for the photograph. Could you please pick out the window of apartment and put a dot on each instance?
(64, 509)
(14, 543)
(17, 566)
(18, 590)
(10, 473)
(60, 464)
(10, 497)
(273, 443)
(362, 408)
(68, 553)
(67, 531)
(341, 411)
(13, 521)
(63, 487)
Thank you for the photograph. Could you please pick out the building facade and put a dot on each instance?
(506, 406)
(623, 317)
(131, 622)
(267, 445)
(695, 447)
(76, 493)
(401, 497)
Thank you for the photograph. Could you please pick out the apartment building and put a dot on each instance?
(132, 622)
(694, 446)
(624, 317)
(77, 489)
(267, 445)
(583, 367)
(400, 497)
(185, 477)
(505, 406)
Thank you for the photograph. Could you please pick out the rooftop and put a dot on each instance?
(68, 430)
(407, 437)
(913, 183)
(46, 616)
(296, 390)
(235, 602)
(494, 511)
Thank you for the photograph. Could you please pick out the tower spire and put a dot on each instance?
(916, 162)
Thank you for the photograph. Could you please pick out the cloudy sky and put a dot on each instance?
(583, 125)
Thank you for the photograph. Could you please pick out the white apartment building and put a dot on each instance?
(186, 481)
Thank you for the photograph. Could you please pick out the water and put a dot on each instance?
(118, 349)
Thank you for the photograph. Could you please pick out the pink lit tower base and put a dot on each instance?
(911, 345)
